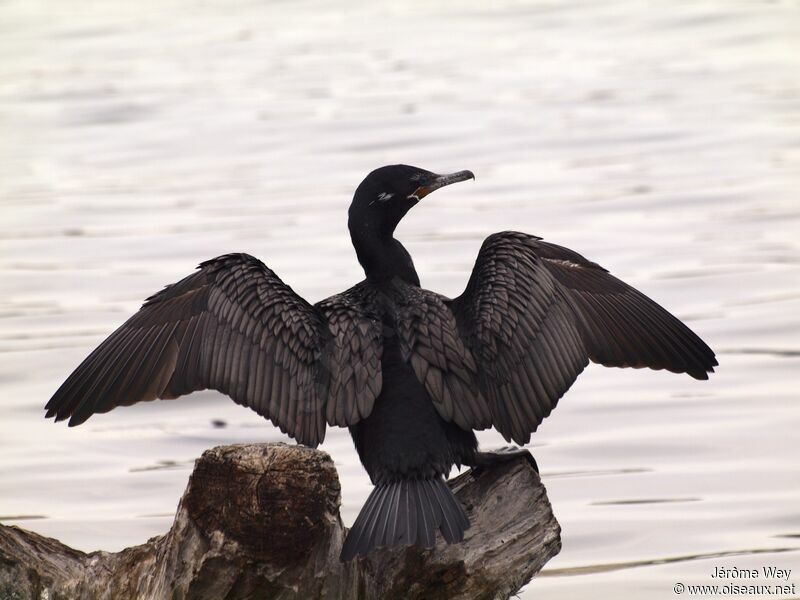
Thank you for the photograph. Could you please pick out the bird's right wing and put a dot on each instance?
(234, 326)
(533, 314)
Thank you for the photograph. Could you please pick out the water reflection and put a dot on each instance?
(643, 501)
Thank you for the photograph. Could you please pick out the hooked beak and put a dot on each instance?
(438, 181)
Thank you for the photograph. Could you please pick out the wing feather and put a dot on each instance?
(532, 316)
(234, 326)
(431, 343)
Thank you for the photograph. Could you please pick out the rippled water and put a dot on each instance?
(660, 139)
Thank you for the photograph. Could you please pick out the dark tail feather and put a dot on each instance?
(405, 513)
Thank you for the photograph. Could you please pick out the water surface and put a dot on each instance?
(660, 139)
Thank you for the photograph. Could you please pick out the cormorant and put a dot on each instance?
(410, 372)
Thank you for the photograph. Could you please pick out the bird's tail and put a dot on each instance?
(404, 513)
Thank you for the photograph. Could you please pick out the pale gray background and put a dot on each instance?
(661, 139)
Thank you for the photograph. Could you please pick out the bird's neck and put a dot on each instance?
(383, 258)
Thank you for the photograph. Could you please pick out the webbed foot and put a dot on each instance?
(503, 455)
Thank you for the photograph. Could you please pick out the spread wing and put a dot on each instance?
(532, 316)
(234, 326)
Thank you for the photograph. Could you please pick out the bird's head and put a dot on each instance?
(387, 194)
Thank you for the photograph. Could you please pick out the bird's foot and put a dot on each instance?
(498, 457)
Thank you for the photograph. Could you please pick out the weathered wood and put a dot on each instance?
(262, 521)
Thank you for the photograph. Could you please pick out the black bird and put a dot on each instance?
(410, 372)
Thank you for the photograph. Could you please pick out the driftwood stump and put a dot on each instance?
(262, 521)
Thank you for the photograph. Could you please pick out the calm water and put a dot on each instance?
(661, 139)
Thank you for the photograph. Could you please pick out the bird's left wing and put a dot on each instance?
(531, 317)
(234, 326)
(525, 339)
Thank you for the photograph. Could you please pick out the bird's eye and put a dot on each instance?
(384, 196)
